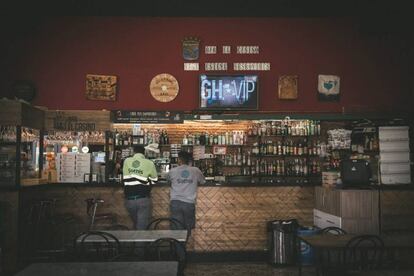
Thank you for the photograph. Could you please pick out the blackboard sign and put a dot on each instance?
(148, 117)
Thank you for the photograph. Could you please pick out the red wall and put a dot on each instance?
(60, 52)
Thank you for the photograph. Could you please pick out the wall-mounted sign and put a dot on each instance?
(226, 49)
(328, 88)
(164, 87)
(148, 117)
(215, 66)
(101, 87)
(251, 66)
(248, 50)
(191, 47)
(78, 120)
(223, 92)
(209, 50)
(288, 87)
(191, 66)
(220, 150)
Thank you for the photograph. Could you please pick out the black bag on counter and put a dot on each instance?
(355, 173)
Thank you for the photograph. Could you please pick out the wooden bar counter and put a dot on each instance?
(228, 218)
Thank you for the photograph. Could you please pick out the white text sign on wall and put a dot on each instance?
(248, 50)
(188, 66)
(210, 50)
(215, 66)
(251, 66)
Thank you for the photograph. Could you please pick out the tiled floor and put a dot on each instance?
(257, 268)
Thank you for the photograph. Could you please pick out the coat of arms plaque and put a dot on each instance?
(191, 48)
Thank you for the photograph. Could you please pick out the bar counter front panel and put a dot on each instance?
(227, 218)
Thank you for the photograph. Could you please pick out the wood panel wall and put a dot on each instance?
(397, 209)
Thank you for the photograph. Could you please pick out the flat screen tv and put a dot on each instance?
(228, 92)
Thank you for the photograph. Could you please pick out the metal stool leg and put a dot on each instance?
(95, 205)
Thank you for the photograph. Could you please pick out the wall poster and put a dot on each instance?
(328, 88)
(101, 87)
(288, 87)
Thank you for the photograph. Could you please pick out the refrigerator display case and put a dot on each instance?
(21, 144)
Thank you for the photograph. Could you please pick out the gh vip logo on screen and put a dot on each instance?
(228, 91)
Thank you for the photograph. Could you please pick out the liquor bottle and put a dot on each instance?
(254, 130)
(167, 138)
(269, 147)
(300, 148)
(249, 161)
(305, 146)
(185, 140)
(202, 139)
(161, 137)
(125, 139)
(279, 148)
(116, 137)
(250, 131)
(318, 128)
(305, 169)
(239, 157)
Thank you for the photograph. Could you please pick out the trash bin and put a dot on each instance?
(306, 255)
(282, 247)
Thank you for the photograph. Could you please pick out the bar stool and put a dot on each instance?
(46, 230)
(91, 207)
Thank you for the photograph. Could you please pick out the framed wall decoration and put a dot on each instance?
(328, 87)
(191, 47)
(288, 87)
(164, 87)
(101, 87)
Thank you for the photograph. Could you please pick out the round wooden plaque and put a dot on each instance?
(164, 88)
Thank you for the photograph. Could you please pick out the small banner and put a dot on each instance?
(148, 117)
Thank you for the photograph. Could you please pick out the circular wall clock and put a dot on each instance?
(164, 87)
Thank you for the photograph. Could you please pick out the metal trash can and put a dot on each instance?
(282, 241)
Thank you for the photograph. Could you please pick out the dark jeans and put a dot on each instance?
(184, 212)
(140, 211)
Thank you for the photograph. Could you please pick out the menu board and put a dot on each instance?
(71, 167)
(198, 152)
(148, 117)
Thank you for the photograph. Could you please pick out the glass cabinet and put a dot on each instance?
(21, 144)
(20, 150)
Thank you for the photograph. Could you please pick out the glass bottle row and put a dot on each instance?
(289, 147)
(235, 137)
(286, 128)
